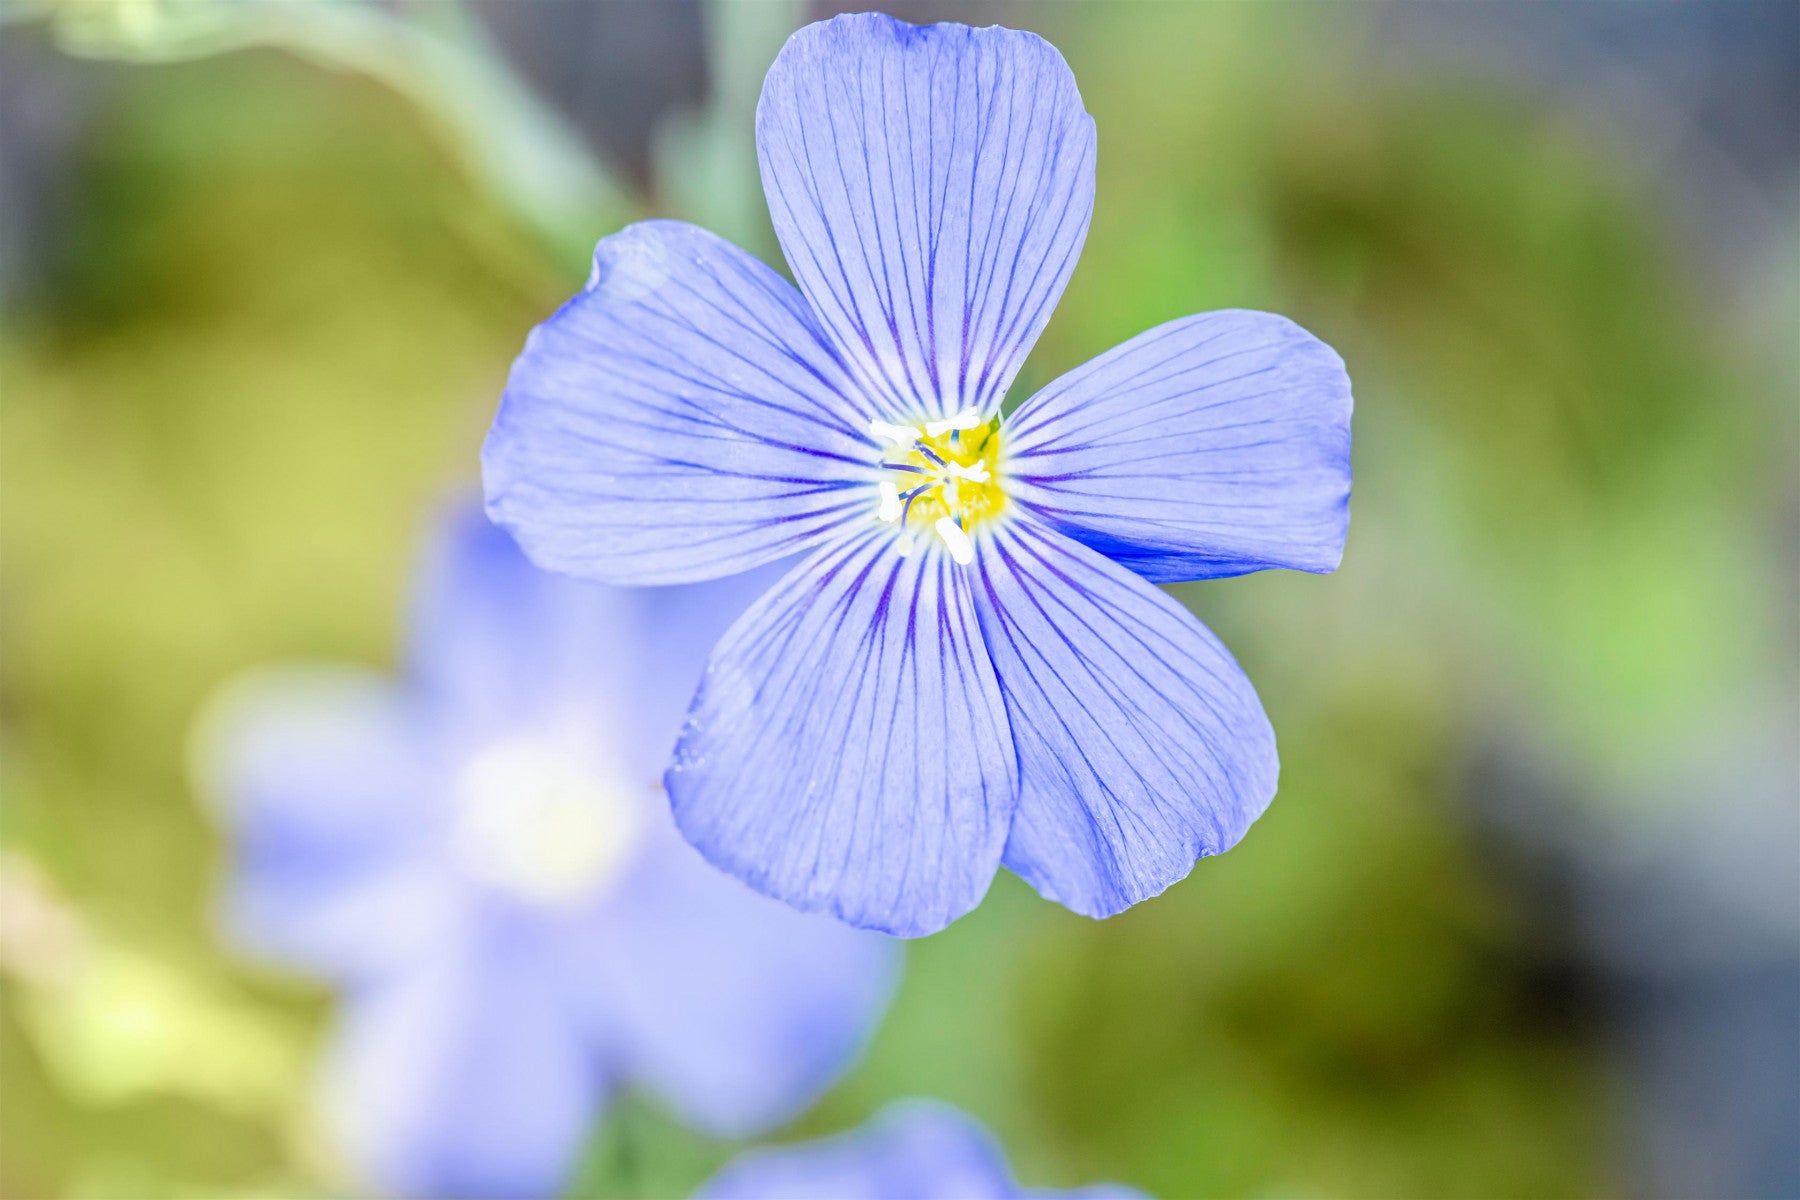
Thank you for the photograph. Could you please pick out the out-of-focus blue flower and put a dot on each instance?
(970, 668)
(479, 854)
(913, 1150)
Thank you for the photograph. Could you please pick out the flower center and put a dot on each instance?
(943, 477)
(539, 824)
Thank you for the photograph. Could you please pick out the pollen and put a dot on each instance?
(944, 479)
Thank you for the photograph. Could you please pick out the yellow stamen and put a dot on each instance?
(946, 478)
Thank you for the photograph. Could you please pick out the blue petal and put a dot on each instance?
(931, 187)
(324, 780)
(680, 419)
(848, 751)
(734, 1009)
(910, 1150)
(496, 644)
(1209, 446)
(499, 646)
(466, 1078)
(913, 1149)
(1141, 744)
(671, 634)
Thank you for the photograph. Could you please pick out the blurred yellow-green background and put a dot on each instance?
(1525, 917)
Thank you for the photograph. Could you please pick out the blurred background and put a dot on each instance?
(1525, 917)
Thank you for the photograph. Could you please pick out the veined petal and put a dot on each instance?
(322, 778)
(1142, 746)
(931, 187)
(1209, 446)
(734, 1009)
(464, 1079)
(848, 751)
(680, 419)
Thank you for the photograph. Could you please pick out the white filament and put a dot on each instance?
(968, 418)
(975, 472)
(958, 543)
(899, 435)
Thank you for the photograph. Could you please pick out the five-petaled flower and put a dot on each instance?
(479, 857)
(912, 1148)
(972, 667)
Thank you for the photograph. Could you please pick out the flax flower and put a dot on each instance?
(972, 666)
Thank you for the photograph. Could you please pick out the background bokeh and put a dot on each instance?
(1525, 917)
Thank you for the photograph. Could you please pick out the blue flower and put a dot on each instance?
(479, 857)
(911, 1150)
(972, 667)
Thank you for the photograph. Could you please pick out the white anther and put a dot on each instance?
(900, 435)
(955, 540)
(968, 418)
(890, 501)
(976, 472)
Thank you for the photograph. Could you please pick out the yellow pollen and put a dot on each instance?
(946, 477)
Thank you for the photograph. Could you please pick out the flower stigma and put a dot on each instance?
(539, 824)
(945, 479)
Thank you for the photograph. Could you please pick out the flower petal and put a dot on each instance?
(464, 1079)
(913, 1148)
(499, 646)
(848, 751)
(496, 644)
(1142, 746)
(734, 1009)
(323, 780)
(931, 187)
(1209, 446)
(680, 419)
